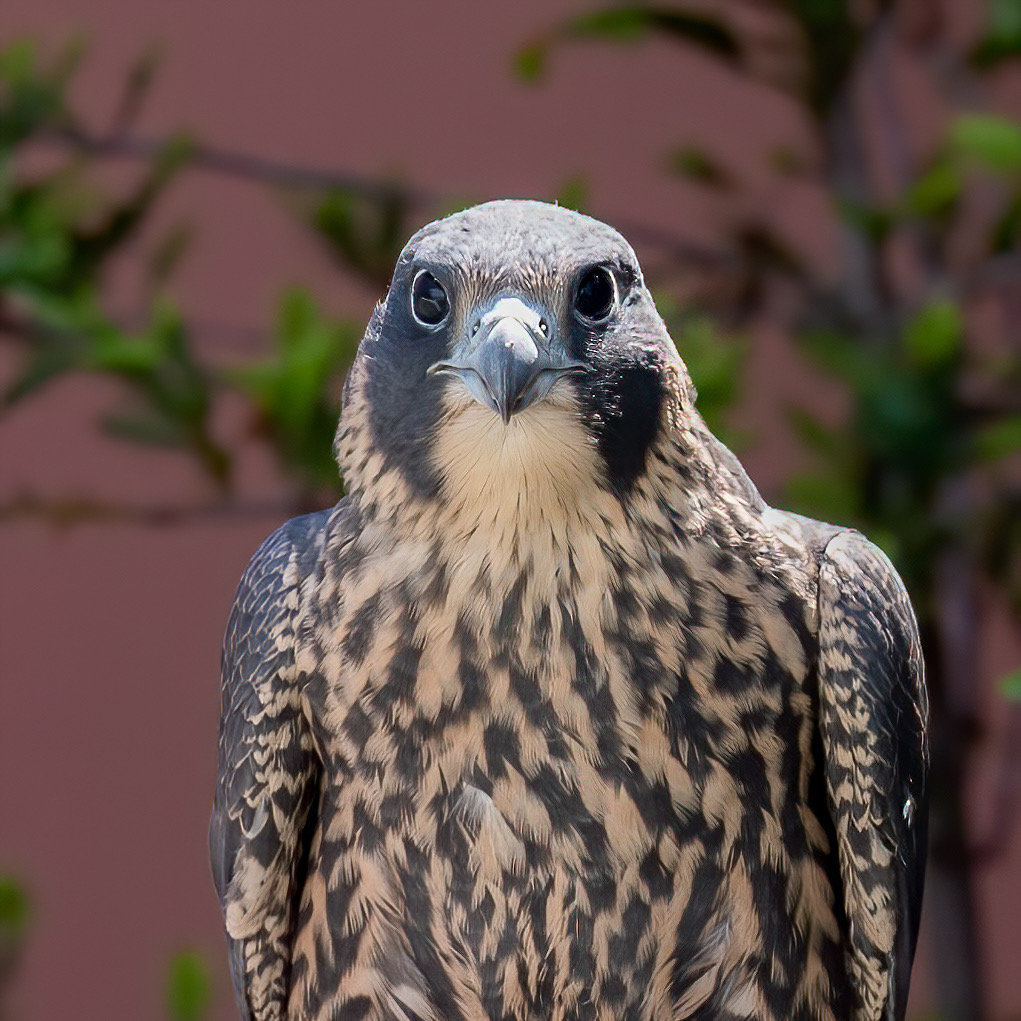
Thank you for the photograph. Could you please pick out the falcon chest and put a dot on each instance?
(567, 773)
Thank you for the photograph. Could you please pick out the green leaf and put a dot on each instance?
(574, 194)
(832, 38)
(115, 352)
(840, 356)
(168, 253)
(189, 987)
(293, 391)
(14, 907)
(38, 257)
(530, 61)
(786, 160)
(627, 24)
(137, 85)
(823, 496)
(933, 336)
(1002, 38)
(1007, 233)
(123, 220)
(829, 443)
(936, 191)
(365, 233)
(623, 24)
(18, 61)
(631, 22)
(875, 222)
(697, 165)
(1000, 440)
(994, 142)
(714, 363)
(31, 96)
(888, 540)
(703, 30)
(908, 423)
(1010, 686)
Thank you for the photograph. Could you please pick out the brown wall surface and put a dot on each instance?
(109, 634)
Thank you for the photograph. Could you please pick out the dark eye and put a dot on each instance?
(595, 294)
(429, 303)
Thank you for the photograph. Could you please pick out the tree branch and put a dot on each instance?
(62, 512)
(286, 175)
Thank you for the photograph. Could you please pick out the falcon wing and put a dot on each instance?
(268, 771)
(874, 718)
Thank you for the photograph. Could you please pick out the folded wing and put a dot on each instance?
(873, 717)
(268, 775)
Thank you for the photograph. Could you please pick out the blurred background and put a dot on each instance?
(199, 204)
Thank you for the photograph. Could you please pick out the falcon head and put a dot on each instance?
(517, 349)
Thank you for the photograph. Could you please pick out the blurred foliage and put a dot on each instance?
(364, 234)
(928, 408)
(14, 919)
(714, 361)
(1002, 37)
(928, 460)
(696, 165)
(573, 194)
(291, 390)
(189, 989)
(908, 431)
(30, 94)
(629, 24)
(818, 40)
(60, 234)
(1010, 686)
(189, 986)
(912, 379)
(15, 914)
(14, 910)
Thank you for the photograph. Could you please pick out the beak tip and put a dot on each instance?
(508, 369)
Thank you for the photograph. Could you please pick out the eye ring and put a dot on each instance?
(596, 295)
(429, 302)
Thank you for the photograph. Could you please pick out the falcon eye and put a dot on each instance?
(429, 303)
(595, 296)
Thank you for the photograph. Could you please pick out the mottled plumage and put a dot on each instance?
(552, 717)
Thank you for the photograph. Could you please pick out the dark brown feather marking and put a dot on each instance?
(554, 719)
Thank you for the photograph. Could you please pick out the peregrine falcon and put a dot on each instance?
(552, 718)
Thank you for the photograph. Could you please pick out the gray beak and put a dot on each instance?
(510, 361)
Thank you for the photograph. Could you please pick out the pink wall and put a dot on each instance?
(109, 635)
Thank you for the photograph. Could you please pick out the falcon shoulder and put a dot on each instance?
(873, 721)
(269, 771)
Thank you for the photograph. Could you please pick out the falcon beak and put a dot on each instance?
(509, 361)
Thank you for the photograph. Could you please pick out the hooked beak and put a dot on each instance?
(509, 362)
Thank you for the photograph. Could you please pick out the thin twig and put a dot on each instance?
(229, 338)
(63, 512)
(235, 164)
(286, 175)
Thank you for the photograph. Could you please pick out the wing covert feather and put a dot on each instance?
(268, 774)
(874, 719)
